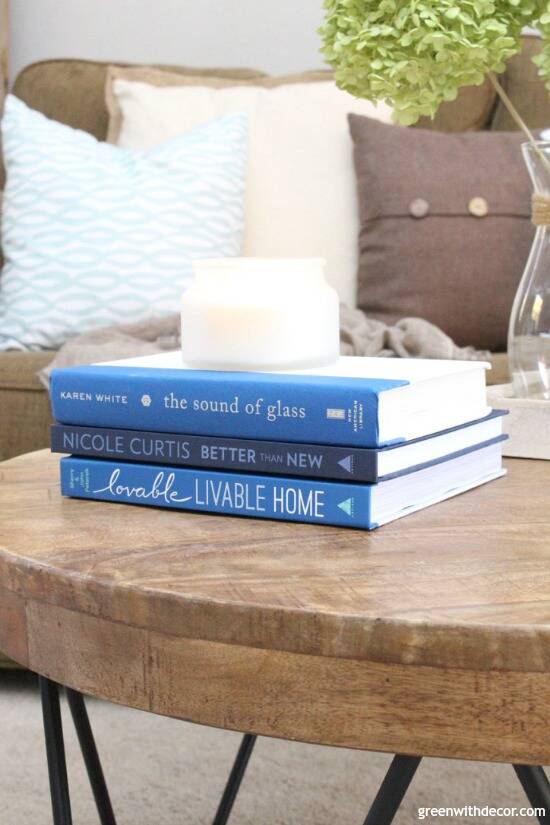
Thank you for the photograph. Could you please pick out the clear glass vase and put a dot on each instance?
(529, 331)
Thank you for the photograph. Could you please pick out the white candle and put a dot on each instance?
(260, 314)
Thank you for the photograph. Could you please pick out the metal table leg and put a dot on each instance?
(235, 778)
(392, 790)
(537, 788)
(533, 779)
(57, 766)
(91, 757)
(55, 751)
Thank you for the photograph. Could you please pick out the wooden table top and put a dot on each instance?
(465, 582)
(461, 586)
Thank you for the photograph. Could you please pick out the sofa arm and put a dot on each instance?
(24, 404)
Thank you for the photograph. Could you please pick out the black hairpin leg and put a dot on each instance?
(235, 778)
(55, 751)
(533, 779)
(91, 757)
(392, 790)
(537, 788)
(57, 766)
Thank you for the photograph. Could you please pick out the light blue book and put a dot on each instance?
(362, 402)
(363, 506)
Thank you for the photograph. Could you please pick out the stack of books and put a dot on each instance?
(356, 444)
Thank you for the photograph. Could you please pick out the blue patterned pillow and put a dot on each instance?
(96, 235)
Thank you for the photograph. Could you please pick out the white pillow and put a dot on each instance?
(95, 235)
(301, 194)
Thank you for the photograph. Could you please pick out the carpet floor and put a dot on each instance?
(165, 772)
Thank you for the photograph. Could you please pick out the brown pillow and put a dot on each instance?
(445, 227)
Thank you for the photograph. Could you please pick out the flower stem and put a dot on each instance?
(519, 120)
(512, 109)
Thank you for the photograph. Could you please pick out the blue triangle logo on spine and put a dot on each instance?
(347, 463)
(347, 506)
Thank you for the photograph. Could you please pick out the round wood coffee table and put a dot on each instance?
(428, 637)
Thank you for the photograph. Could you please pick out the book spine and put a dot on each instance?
(268, 407)
(278, 458)
(273, 497)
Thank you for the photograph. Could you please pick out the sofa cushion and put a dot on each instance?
(300, 198)
(526, 90)
(73, 91)
(154, 76)
(471, 111)
(24, 403)
(479, 107)
(445, 228)
(19, 370)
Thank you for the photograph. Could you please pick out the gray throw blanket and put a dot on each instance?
(359, 335)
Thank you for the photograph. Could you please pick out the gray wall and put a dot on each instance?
(277, 36)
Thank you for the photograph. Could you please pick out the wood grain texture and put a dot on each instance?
(431, 635)
(357, 704)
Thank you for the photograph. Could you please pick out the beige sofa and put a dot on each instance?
(72, 91)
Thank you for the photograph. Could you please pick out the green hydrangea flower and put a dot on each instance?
(415, 54)
(543, 59)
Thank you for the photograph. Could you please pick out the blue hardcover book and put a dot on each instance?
(362, 402)
(364, 506)
(276, 457)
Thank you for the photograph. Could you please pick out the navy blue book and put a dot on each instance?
(278, 458)
(363, 506)
(358, 402)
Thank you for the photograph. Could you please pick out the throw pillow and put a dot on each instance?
(300, 198)
(156, 76)
(95, 235)
(445, 227)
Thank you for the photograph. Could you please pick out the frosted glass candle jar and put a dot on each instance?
(260, 314)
